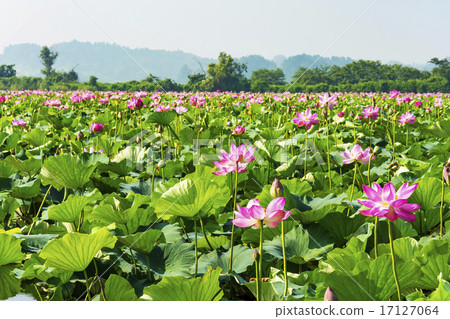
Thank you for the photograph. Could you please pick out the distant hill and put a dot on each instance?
(109, 62)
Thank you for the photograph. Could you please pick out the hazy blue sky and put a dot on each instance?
(405, 30)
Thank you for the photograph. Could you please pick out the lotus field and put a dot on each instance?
(224, 196)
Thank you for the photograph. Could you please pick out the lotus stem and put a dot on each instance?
(394, 270)
(87, 285)
(234, 207)
(204, 234)
(40, 207)
(375, 242)
(306, 149)
(259, 279)
(283, 244)
(196, 249)
(442, 207)
(328, 153)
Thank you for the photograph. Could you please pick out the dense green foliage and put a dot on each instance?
(132, 210)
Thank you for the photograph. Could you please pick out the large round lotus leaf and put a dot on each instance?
(162, 118)
(70, 210)
(9, 284)
(26, 190)
(119, 289)
(206, 288)
(10, 250)
(65, 171)
(143, 242)
(192, 198)
(75, 251)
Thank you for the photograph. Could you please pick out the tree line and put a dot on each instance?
(228, 75)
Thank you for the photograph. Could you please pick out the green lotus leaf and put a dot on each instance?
(35, 268)
(10, 285)
(372, 280)
(178, 288)
(431, 258)
(10, 250)
(27, 167)
(269, 293)
(143, 242)
(242, 259)
(440, 129)
(65, 171)
(70, 210)
(124, 211)
(6, 170)
(9, 205)
(25, 190)
(298, 246)
(75, 251)
(162, 118)
(35, 243)
(36, 137)
(192, 199)
(172, 259)
(119, 289)
(442, 293)
(131, 155)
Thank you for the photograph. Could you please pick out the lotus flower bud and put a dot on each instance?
(446, 173)
(68, 137)
(390, 111)
(330, 295)
(277, 189)
(80, 135)
(119, 115)
(324, 112)
(138, 139)
(160, 129)
(256, 255)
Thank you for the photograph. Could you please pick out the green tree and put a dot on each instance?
(227, 75)
(262, 79)
(48, 58)
(7, 71)
(195, 81)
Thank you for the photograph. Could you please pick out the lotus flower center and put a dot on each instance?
(396, 196)
(385, 204)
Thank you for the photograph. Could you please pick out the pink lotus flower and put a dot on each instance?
(438, 102)
(255, 215)
(97, 128)
(135, 103)
(2, 99)
(341, 114)
(18, 122)
(162, 108)
(92, 150)
(239, 130)
(371, 112)
(103, 101)
(180, 109)
(356, 155)
(386, 202)
(238, 156)
(75, 99)
(305, 119)
(407, 118)
(328, 101)
(418, 104)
